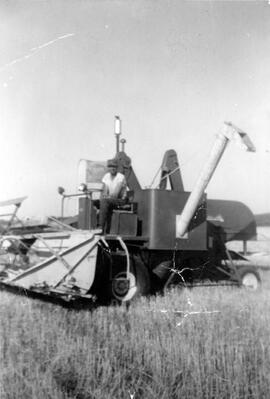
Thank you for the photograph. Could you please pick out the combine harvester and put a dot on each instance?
(161, 237)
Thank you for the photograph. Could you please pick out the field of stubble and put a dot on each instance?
(210, 342)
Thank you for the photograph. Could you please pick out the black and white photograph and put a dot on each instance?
(134, 201)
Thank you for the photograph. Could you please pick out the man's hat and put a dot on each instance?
(112, 162)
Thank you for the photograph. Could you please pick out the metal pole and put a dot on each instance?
(117, 143)
(117, 131)
(123, 141)
(62, 206)
(245, 247)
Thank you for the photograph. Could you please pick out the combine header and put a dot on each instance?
(160, 237)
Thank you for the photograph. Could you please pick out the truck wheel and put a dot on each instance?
(137, 283)
(249, 278)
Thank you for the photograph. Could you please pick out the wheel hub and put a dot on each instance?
(120, 286)
(124, 286)
(249, 280)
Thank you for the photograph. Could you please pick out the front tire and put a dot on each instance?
(125, 287)
(249, 277)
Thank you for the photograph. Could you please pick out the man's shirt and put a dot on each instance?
(115, 186)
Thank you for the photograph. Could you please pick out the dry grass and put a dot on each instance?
(148, 350)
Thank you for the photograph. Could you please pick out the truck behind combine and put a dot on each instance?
(163, 236)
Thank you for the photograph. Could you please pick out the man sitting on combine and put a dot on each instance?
(113, 195)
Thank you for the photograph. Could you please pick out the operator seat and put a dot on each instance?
(124, 217)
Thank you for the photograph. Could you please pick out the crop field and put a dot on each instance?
(207, 342)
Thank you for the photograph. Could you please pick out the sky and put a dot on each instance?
(173, 70)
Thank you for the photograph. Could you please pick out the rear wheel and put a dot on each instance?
(249, 278)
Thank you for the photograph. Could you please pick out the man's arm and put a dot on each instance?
(105, 189)
(123, 191)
